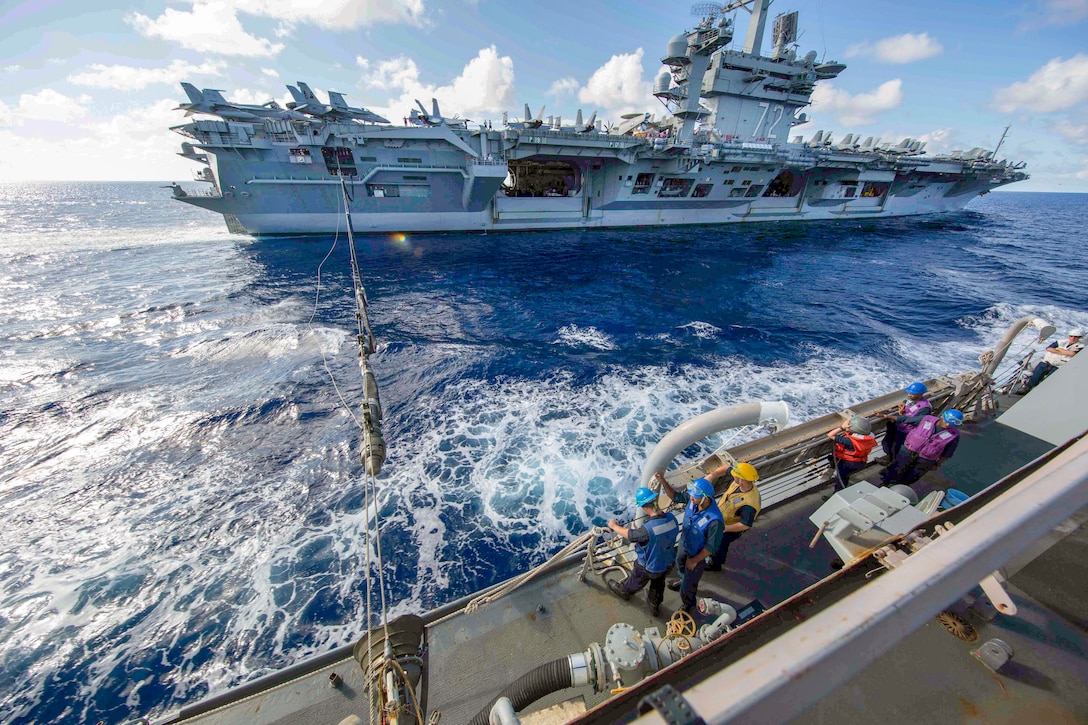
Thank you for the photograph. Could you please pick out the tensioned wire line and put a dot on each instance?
(369, 484)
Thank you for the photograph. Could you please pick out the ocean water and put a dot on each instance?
(181, 498)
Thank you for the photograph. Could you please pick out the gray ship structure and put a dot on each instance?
(721, 153)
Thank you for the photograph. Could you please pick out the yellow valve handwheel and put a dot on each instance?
(681, 624)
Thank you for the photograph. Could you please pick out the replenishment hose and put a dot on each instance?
(530, 687)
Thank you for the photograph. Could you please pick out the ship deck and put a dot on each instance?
(470, 658)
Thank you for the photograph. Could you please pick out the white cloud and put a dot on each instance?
(487, 82)
(1073, 132)
(941, 141)
(857, 110)
(485, 85)
(45, 105)
(211, 27)
(562, 87)
(137, 144)
(1058, 85)
(399, 73)
(270, 72)
(129, 78)
(10, 69)
(618, 87)
(905, 48)
(256, 97)
(361, 62)
(336, 14)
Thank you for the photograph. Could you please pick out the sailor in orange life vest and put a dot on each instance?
(853, 442)
(740, 504)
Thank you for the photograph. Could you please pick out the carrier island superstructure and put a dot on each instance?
(722, 153)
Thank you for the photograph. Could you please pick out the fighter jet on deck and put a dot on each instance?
(337, 109)
(529, 122)
(211, 101)
(434, 118)
(586, 127)
(580, 126)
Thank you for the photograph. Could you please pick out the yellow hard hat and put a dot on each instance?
(746, 471)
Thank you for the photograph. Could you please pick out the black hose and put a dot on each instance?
(530, 687)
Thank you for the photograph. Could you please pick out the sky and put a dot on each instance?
(88, 89)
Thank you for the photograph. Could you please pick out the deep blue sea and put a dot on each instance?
(181, 498)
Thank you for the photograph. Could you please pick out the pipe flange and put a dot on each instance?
(600, 674)
(624, 646)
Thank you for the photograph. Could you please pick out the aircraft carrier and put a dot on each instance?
(720, 153)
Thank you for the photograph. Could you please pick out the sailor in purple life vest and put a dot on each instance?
(655, 550)
(911, 412)
(928, 446)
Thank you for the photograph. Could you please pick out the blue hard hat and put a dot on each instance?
(916, 389)
(645, 496)
(953, 417)
(701, 487)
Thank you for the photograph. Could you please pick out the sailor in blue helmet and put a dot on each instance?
(926, 447)
(655, 551)
(909, 415)
(703, 529)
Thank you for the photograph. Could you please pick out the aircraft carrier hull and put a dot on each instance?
(436, 180)
(542, 218)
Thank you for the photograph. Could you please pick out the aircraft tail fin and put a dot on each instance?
(336, 100)
(297, 95)
(306, 92)
(213, 96)
(195, 96)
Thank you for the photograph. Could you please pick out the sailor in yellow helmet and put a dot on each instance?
(740, 504)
